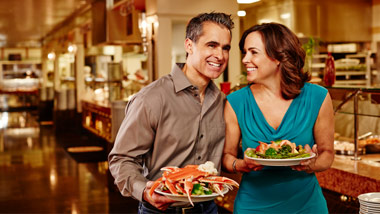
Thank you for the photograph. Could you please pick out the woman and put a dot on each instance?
(278, 104)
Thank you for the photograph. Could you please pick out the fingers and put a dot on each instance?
(157, 200)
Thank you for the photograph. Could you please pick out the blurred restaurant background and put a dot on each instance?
(69, 67)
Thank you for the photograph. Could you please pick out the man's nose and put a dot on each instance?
(218, 53)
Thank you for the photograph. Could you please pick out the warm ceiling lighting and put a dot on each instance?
(241, 13)
(247, 1)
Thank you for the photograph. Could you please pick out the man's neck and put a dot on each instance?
(196, 79)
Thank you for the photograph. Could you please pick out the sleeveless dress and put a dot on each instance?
(279, 189)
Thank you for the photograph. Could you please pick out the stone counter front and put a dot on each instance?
(350, 177)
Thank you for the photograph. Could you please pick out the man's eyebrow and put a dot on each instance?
(213, 43)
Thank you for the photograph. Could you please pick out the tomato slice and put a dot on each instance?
(258, 148)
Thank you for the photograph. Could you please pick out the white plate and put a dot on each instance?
(194, 198)
(370, 198)
(280, 162)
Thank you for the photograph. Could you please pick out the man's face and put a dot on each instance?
(209, 56)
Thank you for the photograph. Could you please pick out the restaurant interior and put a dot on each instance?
(69, 67)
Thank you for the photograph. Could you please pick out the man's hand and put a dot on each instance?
(157, 200)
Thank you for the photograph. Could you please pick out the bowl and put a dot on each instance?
(372, 148)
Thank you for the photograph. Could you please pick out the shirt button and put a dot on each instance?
(199, 157)
(201, 136)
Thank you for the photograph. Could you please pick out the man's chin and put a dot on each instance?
(214, 75)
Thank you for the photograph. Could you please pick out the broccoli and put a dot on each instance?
(271, 153)
(285, 150)
(197, 189)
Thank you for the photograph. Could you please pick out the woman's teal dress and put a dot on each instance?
(279, 189)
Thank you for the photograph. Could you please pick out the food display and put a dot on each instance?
(192, 182)
(280, 149)
(373, 144)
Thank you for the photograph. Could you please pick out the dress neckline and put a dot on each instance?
(261, 115)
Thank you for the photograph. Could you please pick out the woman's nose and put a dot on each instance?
(245, 59)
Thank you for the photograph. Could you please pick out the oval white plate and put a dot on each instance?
(194, 198)
(370, 199)
(280, 162)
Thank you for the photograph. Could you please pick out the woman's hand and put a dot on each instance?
(247, 165)
(308, 165)
(157, 200)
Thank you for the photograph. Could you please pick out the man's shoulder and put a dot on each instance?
(157, 86)
(154, 91)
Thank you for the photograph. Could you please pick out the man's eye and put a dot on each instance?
(226, 48)
(212, 46)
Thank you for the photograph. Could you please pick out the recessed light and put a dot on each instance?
(247, 1)
(241, 13)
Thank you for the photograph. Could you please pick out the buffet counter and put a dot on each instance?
(103, 119)
(350, 177)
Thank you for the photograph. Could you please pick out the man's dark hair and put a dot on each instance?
(195, 26)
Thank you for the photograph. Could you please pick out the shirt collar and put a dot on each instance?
(181, 82)
(179, 79)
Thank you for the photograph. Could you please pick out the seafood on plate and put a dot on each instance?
(280, 149)
(192, 180)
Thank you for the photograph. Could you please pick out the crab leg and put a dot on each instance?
(154, 186)
(171, 187)
(188, 189)
(170, 169)
(218, 190)
(219, 180)
(183, 174)
(179, 187)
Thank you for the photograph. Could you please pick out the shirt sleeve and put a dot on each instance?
(134, 139)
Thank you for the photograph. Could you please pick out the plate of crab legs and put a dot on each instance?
(192, 183)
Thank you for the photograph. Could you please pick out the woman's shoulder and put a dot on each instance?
(315, 89)
(239, 93)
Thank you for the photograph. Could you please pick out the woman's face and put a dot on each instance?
(260, 67)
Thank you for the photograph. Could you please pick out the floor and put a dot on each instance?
(41, 170)
(38, 175)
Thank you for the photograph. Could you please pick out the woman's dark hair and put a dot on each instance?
(284, 46)
(195, 26)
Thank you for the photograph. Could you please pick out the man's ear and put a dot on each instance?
(188, 46)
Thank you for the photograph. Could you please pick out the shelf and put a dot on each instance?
(350, 82)
(350, 73)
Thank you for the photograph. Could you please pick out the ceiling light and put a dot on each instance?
(285, 16)
(51, 55)
(241, 13)
(247, 1)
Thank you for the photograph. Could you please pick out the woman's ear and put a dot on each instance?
(188, 46)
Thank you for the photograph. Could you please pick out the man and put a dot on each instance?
(176, 120)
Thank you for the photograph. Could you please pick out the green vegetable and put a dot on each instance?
(285, 150)
(207, 192)
(251, 153)
(271, 153)
(197, 190)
